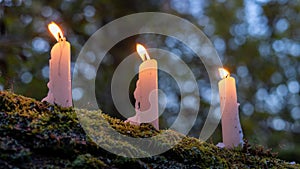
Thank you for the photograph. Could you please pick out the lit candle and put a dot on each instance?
(231, 127)
(59, 84)
(146, 92)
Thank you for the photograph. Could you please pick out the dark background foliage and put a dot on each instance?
(257, 40)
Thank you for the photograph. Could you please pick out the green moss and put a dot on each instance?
(87, 161)
(36, 134)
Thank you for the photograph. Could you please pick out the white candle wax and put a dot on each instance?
(146, 92)
(60, 75)
(231, 127)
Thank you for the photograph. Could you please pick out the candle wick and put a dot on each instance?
(59, 36)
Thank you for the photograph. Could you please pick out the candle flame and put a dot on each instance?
(142, 52)
(224, 73)
(55, 30)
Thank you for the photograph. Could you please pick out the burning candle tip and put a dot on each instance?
(142, 52)
(223, 73)
(55, 31)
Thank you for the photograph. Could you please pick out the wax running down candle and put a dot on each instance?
(59, 84)
(146, 93)
(231, 128)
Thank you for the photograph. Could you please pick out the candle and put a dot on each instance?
(59, 84)
(146, 93)
(231, 127)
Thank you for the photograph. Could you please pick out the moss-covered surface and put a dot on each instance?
(39, 135)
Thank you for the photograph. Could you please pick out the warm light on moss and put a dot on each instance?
(39, 135)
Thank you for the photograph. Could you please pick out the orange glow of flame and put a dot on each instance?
(141, 50)
(55, 30)
(224, 73)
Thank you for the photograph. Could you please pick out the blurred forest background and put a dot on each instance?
(257, 40)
